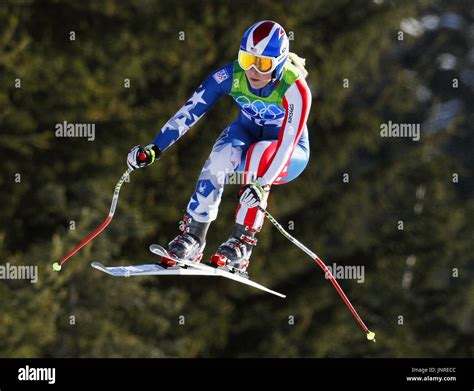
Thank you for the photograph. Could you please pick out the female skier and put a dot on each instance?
(268, 142)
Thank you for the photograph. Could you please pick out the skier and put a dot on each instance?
(268, 142)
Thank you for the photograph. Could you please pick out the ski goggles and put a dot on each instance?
(262, 64)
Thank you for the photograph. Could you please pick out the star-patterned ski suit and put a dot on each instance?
(268, 140)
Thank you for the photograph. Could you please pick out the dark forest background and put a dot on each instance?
(405, 62)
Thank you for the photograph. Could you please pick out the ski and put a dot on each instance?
(148, 270)
(160, 251)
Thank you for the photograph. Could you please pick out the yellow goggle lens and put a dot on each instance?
(246, 60)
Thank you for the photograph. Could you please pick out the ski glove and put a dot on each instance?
(140, 157)
(253, 194)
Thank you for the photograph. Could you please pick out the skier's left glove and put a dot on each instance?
(139, 156)
(253, 194)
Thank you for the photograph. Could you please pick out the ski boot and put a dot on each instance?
(234, 254)
(189, 245)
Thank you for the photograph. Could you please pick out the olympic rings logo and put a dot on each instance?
(260, 109)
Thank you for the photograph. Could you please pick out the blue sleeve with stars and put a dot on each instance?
(217, 84)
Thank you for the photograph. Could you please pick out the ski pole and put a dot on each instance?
(58, 265)
(370, 334)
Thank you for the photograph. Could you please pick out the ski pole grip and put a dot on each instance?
(142, 156)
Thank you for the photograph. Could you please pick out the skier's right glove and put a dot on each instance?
(139, 156)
